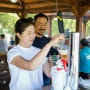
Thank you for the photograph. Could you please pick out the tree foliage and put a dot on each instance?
(88, 28)
(7, 21)
(68, 24)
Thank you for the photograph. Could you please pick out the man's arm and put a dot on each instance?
(46, 69)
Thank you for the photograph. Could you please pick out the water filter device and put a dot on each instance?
(58, 76)
(59, 72)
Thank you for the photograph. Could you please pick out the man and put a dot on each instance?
(3, 44)
(11, 43)
(84, 67)
(41, 21)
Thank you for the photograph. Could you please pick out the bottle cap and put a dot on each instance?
(59, 65)
(59, 69)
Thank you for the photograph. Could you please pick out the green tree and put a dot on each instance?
(30, 15)
(54, 27)
(88, 28)
(68, 24)
(7, 21)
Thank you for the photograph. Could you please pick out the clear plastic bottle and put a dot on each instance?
(58, 74)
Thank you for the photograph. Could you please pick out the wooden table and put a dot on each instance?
(51, 88)
(45, 88)
(4, 70)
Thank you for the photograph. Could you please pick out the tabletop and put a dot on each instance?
(51, 88)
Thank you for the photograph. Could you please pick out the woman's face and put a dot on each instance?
(27, 37)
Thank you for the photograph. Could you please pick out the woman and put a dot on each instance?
(26, 62)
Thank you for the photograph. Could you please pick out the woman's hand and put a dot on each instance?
(56, 39)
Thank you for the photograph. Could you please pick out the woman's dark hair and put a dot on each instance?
(39, 16)
(21, 25)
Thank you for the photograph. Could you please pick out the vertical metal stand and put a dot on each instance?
(75, 44)
(70, 54)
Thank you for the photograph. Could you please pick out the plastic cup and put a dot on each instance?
(64, 54)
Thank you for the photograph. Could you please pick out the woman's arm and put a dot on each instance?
(36, 61)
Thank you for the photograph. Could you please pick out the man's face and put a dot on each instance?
(41, 26)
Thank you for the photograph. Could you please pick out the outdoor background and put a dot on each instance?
(8, 20)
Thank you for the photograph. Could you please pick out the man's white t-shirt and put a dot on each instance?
(24, 79)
